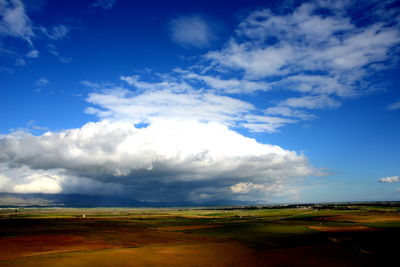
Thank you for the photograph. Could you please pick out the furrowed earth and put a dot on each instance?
(354, 236)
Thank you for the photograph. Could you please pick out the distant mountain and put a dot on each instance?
(90, 201)
(65, 200)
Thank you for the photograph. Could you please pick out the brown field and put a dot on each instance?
(364, 218)
(29, 245)
(167, 237)
(342, 228)
(185, 227)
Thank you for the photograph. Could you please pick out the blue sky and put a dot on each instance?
(272, 101)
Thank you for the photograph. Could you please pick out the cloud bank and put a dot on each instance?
(166, 160)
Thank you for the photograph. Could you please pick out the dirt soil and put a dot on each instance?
(96, 239)
(186, 227)
(361, 218)
(22, 246)
(205, 254)
(342, 228)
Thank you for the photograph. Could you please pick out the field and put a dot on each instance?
(342, 236)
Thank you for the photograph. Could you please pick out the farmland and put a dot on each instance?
(356, 235)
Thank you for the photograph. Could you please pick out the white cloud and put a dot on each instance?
(310, 102)
(42, 82)
(192, 31)
(245, 187)
(229, 86)
(325, 57)
(256, 62)
(309, 52)
(295, 107)
(262, 123)
(56, 32)
(3, 181)
(259, 190)
(22, 179)
(6, 70)
(92, 85)
(20, 62)
(14, 21)
(394, 106)
(173, 139)
(315, 84)
(150, 106)
(390, 179)
(289, 112)
(52, 49)
(178, 101)
(33, 54)
(168, 83)
(39, 184)
(164, 156)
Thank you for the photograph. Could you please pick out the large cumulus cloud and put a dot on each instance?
(167, 160)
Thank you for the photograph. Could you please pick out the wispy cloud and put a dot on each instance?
(192, 31)
(228, 86)
(33, 54)
(6, 70)
(310, 102)
(325, 57)
(178, 100)
(305, 42)
(14, 20)
(104, 4)
(90, 84)
(290, 112)
(20, 62)
(56, 32)
(15, 23)
(390, 179)
(393, 106)
(53, 50)
(40, 84)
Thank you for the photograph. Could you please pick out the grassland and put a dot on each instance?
(355, 236)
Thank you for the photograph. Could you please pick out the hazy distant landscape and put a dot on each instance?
(318, 235)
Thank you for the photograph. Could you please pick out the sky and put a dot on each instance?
(267, 101)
